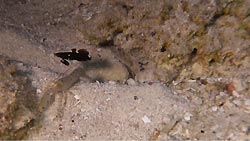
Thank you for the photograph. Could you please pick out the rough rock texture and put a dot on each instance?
(17, 99)
(198, 48)
(171, 36)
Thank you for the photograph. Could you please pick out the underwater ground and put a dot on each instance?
(159, 69)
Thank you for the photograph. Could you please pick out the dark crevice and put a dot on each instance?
(194, 52)
(214, 19)
(131, 73)
(211, 62)
(127, 8)
(110, 42)
(163, 49)
(106, 43)
(117, 31)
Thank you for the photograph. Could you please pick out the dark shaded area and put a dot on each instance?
(163, 49)
(106, 43)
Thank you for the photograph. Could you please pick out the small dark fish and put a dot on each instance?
(78, 55)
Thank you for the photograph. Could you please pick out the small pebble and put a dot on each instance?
(77, 97)
(191, 81)
(131, 81)
(214, 108)
(230, 88)
(108, 99)
(188, 116)
(99, 50)
(236, 94)
(145, 119)
(112, 82)
(187, 133)
(38, 91)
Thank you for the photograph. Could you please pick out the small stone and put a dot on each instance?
(99, 49)
(108, 99)
(112, 82)
(214, 108)
(77, 97)
(187, 133)
(197, 69)
(131, 81)
(236, 94)
(38, 91)
(145, 119)
(191, 81)
(247, 109)
(230, 88)
(188, 116)
(222, 94)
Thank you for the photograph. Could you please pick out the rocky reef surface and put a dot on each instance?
(160, 69)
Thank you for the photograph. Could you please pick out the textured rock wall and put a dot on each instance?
(165, 37)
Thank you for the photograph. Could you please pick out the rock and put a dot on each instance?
(131, 81)
(145, 119)
(235, 93)
(112, 82)
(197, 69)
(17, 100)
(214, 108)
(187, 116)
